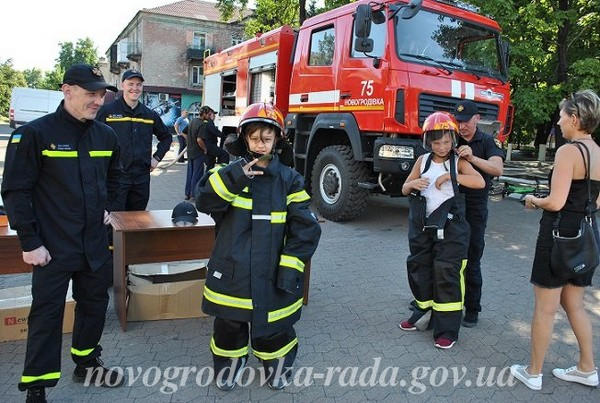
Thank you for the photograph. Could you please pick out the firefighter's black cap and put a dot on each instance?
(132, 73)
(88, 77)
(183, 213)
(465, 110)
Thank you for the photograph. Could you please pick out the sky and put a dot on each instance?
(31, 29)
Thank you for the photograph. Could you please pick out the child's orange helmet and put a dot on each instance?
(262, 112)
(436, 125)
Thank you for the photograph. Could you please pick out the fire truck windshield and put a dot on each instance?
(455, 44)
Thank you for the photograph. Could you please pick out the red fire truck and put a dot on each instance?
(356, 84)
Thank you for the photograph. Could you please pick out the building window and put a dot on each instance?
(199, 41)
(197, 72)
(236, 40)
(321, 47)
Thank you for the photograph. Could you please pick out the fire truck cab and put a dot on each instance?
(356, 83)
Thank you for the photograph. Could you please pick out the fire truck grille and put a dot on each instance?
(429, 103)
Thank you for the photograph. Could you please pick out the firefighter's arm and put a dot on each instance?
(164, 138)
(414, 180)
(468, 176)
(21, 171)
(220, 189)
(115, 171)
(302, 237)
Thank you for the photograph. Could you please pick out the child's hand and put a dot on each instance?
(248, 169)
(441, 180)
(419, 184)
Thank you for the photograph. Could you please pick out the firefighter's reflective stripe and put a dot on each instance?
(291, 262)
(130, 119)
(448, 306)
(462, 279)
(219, 187)
(227, 353)
(100, 153)
(276, 217)
(298, 197)
(227, 300)
(284, 312)
(424, 304)
(242, 202)
(59, 154)
(282, 352)
(82, 353)
(216, 168)
(44, 377)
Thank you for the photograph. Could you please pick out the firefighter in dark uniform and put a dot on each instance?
(135, 124)
(487, 158)
(61, 171)
(266, 235)
(438, 232)
(211, 135)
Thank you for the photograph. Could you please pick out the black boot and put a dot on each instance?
(471, 318)
(227, 377)
(94, 373)
(36, 395)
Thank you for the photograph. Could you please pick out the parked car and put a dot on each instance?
(27, 104)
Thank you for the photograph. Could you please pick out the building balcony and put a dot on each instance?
(199, 52)
(134, 51)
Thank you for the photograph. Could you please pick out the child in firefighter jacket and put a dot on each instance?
(438, 232)
(266, 235)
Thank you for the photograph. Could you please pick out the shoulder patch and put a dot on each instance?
(16, 138)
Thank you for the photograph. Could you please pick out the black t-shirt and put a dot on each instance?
(193, 131)
(484, 147)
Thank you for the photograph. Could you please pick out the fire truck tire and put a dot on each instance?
(335, 178)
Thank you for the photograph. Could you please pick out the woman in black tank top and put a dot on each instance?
(579, 117)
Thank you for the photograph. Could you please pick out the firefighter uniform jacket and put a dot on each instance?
(266, 235)
(59, 176)
(134, 128)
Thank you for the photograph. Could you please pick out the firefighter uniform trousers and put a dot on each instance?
(439, 246)
(45, 322)
(277, 351)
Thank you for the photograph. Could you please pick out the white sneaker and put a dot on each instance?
(574, 375)
(533, 382)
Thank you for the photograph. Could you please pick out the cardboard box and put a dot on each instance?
(170, 290)
(15, 304)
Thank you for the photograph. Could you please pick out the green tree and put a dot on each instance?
(555, 48)
(271, 14)
(34, 77)
(83, 51)
(53, 79)
(9, 78)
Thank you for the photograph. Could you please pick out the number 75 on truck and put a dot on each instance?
(355, 85)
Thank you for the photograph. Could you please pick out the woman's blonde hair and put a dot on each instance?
(585, 105)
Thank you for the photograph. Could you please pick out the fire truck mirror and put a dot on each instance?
(411, 9)
(362, 21)
(363, 45)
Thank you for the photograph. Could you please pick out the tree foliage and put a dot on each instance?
(555, 50)
(9, 78)
(34, 77)
(83, 51)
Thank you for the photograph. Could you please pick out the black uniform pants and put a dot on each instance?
(435, 274)
(49, 286)
(477, 215)
(132, 197)
(277, 351)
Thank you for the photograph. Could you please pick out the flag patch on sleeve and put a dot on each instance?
(16, 138)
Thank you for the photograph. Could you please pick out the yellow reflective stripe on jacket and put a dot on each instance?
(219, 187)
(130, 119)
(246, 190)
(298, 197)
(284, 312)
(278, 217)
(44, 377)
(227, 353)
(242, 202)
(279, 353)
(59, 154)
(82, 353)
(462, 280)
(292, 262)
(100, 153)
(227, 300)
(216, 168)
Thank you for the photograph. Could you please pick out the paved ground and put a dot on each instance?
(358, 295)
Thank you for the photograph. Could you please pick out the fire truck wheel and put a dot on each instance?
(335, 178)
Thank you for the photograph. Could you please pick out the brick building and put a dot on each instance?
(167, 44)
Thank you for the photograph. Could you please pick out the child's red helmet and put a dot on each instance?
(265, 113)
(436, 125)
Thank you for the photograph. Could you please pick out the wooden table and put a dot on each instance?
(11, 255)
(150, 237)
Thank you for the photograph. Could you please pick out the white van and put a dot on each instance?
(27, 104)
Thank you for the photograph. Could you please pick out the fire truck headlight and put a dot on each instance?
(390, 151)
